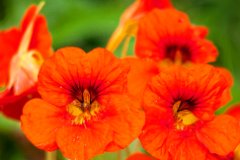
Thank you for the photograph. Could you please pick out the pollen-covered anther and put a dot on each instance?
(84, 110)
(183, 117)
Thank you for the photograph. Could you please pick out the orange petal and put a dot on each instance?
(235, 111)
(41, 37)
(9, 41)
(221, 135)
(77, 142)
(111, 69)
(11, 105)
(140, 7)
(126, 119)
(55, 77)
(211, 156)
(155, 133)
(70, 68)
(214, 87)
(140, 73)
(183, 145)
(200, 31)
(27, 27)
(40, 122)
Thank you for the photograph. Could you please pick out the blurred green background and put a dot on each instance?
(89, 24)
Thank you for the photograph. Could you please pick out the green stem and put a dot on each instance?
(51, 155)
(125, 47)
(119, 155)
(128, 152)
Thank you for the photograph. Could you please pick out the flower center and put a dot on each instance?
(183, 116)
(178, 53)
(82, 109)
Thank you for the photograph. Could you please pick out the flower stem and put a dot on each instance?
(125, 47)
(119, 155)
(51, 155)
(137, 146)
(128, 152)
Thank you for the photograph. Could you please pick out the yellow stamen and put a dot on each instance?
(184, 117)
(73, 108)
(83, 111)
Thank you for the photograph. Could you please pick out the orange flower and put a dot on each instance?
(180, 123)
(140, 156)
(85, 108)
(168, 34)
(129, 20)
(22, 51)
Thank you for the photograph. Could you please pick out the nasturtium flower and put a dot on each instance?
(85, 108)
(22, 52)
(129, 20)
(168, 35)
(140, 156)
(179, 104)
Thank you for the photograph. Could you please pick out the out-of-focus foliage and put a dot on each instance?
(82, 23)
(89, 24)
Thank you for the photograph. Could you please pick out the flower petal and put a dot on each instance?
(221, 135)
(63, 75)
(40, 122)
(12, 105)
(140, 73)
(184, 145)
(79, 142)
(56, 76)
(234, 111)
(41, 38)
(9, 41)
(155, 133)
(126, 119)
